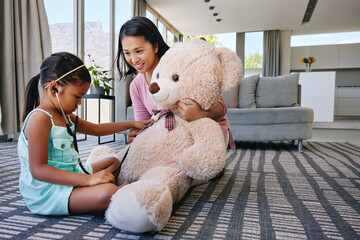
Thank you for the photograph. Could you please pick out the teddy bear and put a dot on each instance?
(167, 157)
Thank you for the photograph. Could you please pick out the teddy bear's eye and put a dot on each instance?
(157, 75)
(175, 77)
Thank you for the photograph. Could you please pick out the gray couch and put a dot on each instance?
(268, 109)
(261, 109)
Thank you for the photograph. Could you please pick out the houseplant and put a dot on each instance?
(100, 80)
(308, 61)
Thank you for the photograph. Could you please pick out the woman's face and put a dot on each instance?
(140, 53)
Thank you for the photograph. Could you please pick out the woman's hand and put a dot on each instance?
(189, 110)
(100, 178)
(138, 125)
(132, 135)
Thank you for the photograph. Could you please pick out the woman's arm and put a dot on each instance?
(37, 132)
(140, 110)
(190, 110)
(137, 100)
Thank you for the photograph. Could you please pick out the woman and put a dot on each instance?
(140, 48)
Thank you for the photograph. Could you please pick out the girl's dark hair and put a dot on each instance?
(51, 69)
(138, 26)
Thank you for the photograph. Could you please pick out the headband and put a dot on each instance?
(71, 71)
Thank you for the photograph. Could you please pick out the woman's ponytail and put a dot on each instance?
(32, 98)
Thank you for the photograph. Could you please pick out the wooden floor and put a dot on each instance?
(343, 129)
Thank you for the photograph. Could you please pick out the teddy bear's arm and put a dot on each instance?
(206, 157)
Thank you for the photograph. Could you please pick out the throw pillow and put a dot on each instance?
(231, 97)
(247, 91)
(278, 91)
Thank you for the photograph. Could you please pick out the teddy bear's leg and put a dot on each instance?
(146, 205)
(139, 207)
(176, 179)
(99, 153)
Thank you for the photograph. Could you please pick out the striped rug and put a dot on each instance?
(268, 191)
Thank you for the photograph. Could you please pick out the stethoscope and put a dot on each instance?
(73, 134)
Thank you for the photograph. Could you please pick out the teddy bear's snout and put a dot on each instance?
(154, 88)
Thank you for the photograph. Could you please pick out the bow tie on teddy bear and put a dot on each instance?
(169, 118)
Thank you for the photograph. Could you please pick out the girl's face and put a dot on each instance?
(70, 96)
(140, 53)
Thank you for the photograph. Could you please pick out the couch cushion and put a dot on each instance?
(269, 116)
(247, 91)
(278, 91)
(130, 114)
(231, 97)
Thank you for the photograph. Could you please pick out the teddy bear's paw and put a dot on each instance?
(200, 170)
(139, 207)
(100, 152)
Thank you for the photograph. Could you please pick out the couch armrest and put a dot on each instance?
(122, 96)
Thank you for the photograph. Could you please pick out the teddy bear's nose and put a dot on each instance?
(154, 88)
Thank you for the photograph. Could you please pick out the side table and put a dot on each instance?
(99, 97)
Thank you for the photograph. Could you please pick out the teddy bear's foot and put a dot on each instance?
(139, 207)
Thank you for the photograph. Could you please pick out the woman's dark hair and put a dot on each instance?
(51, 69)
(138, 26)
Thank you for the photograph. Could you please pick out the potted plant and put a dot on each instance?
(100, 80)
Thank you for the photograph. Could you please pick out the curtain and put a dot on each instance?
(138, 8)
(271, 60)
(24, 43)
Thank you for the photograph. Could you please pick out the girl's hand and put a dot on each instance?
(189, 110)
(100, 178)
(141, 124)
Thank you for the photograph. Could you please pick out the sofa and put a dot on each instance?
(260, 109)
(268, 109)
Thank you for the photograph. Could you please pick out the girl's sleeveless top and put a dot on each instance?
(42, 197)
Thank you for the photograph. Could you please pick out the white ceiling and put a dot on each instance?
(193, 17)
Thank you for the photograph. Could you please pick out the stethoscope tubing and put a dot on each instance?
(73, 134)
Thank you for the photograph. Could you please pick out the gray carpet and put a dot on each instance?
(269, 191)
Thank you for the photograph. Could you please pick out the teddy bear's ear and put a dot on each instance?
(232, 68)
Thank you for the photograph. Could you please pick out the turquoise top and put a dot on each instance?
(42, 197)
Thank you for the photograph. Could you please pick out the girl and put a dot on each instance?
(51, 181)
(140, 48)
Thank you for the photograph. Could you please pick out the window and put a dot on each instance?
(96, 27)
(168, 32)
(97, 33)
(60, 16)
(254, 49)
(169, 38)
(162, 30)
(151, 17)
(325, 39)
(122, 14)
(227, 40)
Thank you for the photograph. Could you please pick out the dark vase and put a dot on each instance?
(97, 90)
